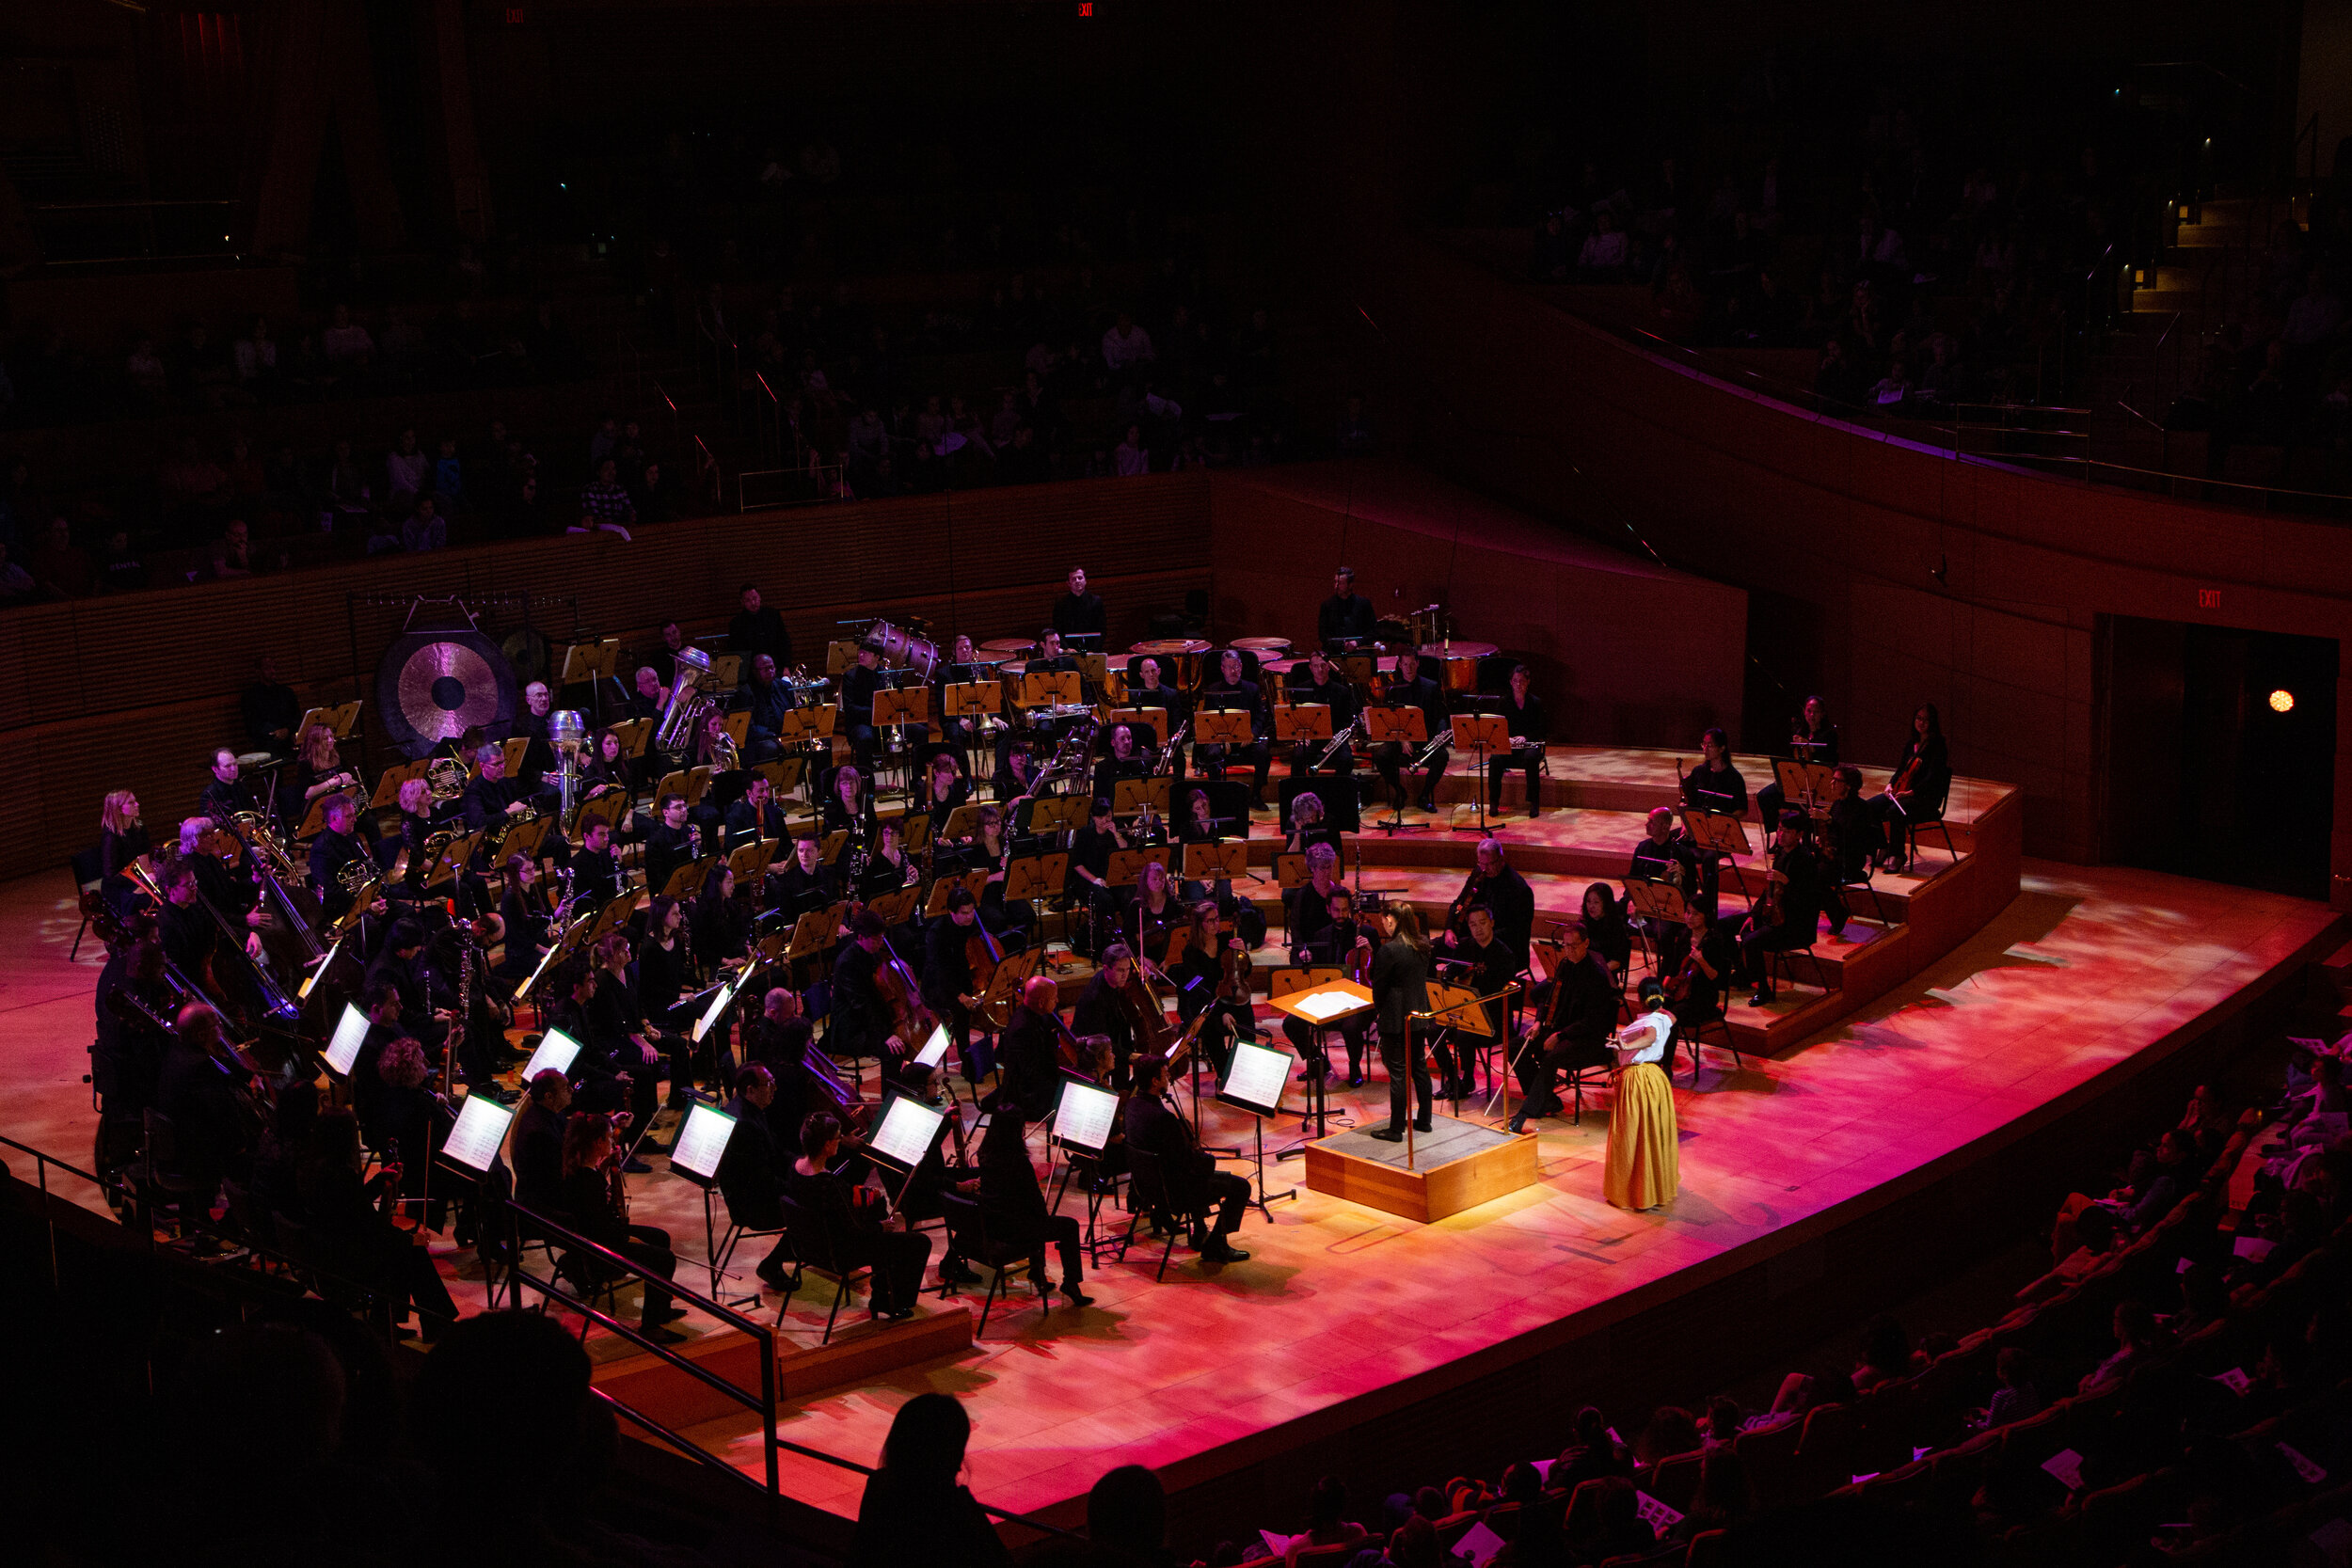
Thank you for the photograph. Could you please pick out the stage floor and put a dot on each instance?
(2083, 969)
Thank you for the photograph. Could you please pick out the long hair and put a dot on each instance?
(318, 748)
(1409, 926)
(1935, 720)
(582, 1135)
(115, 815)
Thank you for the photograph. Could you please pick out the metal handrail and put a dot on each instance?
(43, 1160)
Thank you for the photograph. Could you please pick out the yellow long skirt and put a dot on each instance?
(1643, 1169)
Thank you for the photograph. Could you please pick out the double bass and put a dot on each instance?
(911, 1017)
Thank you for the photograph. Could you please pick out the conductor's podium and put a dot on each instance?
(1457, 1165)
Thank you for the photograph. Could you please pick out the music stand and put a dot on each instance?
(896, 907)
(1081, 1125)
(750, 861)
(1050, 688)
(1254, 1081)
(901, 709)
(387, 782)
(1302, 725)
(1483, 733)
(1060, 814)
(962, 822)
(1222, 726)
(1218, 858)
(1408, 728)
(1126, 867)
(454, 857)
(1456, 1007)
(701, 1144)
(1321, 1004)
(633, 734)
(1130, 797)
(1807, 782)
(686, 880)
(1035, 877)
(1718, 833)
(830, 849)
(1152, 719)
(813, 933)
(526, 837)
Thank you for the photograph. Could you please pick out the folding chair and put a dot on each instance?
(813, 1248)
(968, 1232)
(1147, 1193)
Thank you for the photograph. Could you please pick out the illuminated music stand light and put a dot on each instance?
(1255, 1080)
(1323, 999)
(342, 1047)
(701, 1144)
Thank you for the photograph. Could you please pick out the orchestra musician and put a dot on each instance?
(1851, 842)
(720, 924)
(848, 807)
(1785, 919)
(950, 986)
(1145, 691)
(853, 1217)
(1017, 1212)
(1307, 828)
(1339, 940)
(779, 1039)
(1090, 852)
(1486, 964)
(1695, 993)
(1194, 1182)
(1228, 693)
(1608, 930)
(1665, 854)
(945, 788)
(532, 723)
(768, 700)
(479, 1034)
(651, 695)
(1104, 1008)
(1921, 784)
(200, 1095)
(1811, 738)
(1157, 911)
(1029, 1056)
(492, 795)
(856, 719)
(1310, 901)
(595, 869)
(1198, 826)
(860, 1025)
(1493, 883)
(595, 1206)
(1400, 988)
(538, 1142)
(751, 1172)
(673, 842)
(755, 815)
(123, 840)
(1524, 719)
(1324, 684)
(1212, 976)
(607, 1081)
(1715, 785)
(1052, 659)
(1123, 761)
(962, 668)
(1642, 1170)
(1080, 612)
(523, 914)
(1346, 617)
(617, 1021)
(805, 882)
(318, 769)
(1409, 687)
(759, 629)
(224, 793)
(888, 869)
(1573, 1034)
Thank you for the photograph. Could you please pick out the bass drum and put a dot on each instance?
(905, 649)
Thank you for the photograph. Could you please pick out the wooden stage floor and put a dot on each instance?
(2083, 969)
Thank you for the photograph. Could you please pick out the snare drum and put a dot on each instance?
(1459, 662)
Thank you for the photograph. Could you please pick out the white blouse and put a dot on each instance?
(1661, 1027)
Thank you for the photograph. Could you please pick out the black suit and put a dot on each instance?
(1340, 697)
(1029, 1060)
(1243, 697)
(1399, 988)
(1193, 1182)
(1574, 1034)
(752, 633)
(1339, 618)
(751, 1175)
(1529, 723)
(1429, 696)
(1015, 1204)
(1079, 616)
(539, 1158)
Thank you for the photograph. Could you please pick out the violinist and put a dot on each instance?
(673, 842)
(1228, 693)
(607, 1083)
(1695, 993)
(755, 815)
(1214, 978)
(1854, 839)
(1310, 901)
(1920, 786)
(1485, 964)
(1811, 738)
(950, 986)
(1124, 761)
(596, 1205)
(751, 1171)
(855, 1220)
(1326, 686)
(1503, 892)
(1090, 852)
(1607, 930)
(806, 882)
(1411, 688)
(1665, 854)
(616, 1022)
(1145, 691)
(1524, 715)
(860, 1026)
(1198, 826)
(1158, 912)
(1342, 943)
(1193, 1182)
(1785, 919)
(1715, 785)
(1573, 1034)
(1029, 1056)
(1017, 1210)
(1105, 1008)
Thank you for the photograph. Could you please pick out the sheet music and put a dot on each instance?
(481, 1130)
(1084, 1116)
(906, 1131)
(701, 1142)
(935, 1048)
(719, 1000)
(556, 1050)
(1320, 1004)
(1257, 1077)
(343, 1049)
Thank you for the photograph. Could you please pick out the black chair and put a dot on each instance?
(1149, 1192)
(89, 876)
(156, 1176)
(1863, 883)
(1693, 1034)
(815, 1246)
(968, 1237)
(737, 1233)
(1914, 826)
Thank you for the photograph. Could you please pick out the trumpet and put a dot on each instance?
(1438, 742)
(1340, 743)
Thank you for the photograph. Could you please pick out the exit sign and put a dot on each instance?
(2209, 598)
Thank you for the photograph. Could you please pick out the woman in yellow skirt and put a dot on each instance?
(1644, 1169)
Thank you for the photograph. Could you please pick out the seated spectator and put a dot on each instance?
(232, 552)
(1325, 1528)
(1620, 1530)
(1669, 1430)
(1885, 1355)
(1126, 345)
(255, 355)
(2015, 1396)
(1893, 388)
(346, 346)
(144, 371)
(406, 472)
(121, 570)
(1725, 1420)
(2136, 1341)
(426, 529)
(654, 497)
(2097, 1240)
(1727, 1494)
(449, 480)
(350, 499)
(914, 1509)
(61, 569)
(604, 504)
(1603, 256)
(192, 478)
(1129, 457)
(1593, 1453)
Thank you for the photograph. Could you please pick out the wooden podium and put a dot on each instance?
(1459, 1165)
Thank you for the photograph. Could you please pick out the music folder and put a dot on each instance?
(480, 1132)
(908, 1130)
(702, 1143)
(343, 1048)
(1257, 1078)
(935, 1048)
(1084, 1117)
(721, 998)
(556, 1050)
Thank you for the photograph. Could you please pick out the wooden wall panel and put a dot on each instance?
(134, 692)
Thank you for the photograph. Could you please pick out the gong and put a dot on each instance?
(434, 685)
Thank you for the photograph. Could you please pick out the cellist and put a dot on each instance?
(1116, 1004)
(951, 981)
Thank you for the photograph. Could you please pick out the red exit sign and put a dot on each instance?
(515, 16)
(1086, 8)
(2209, 598)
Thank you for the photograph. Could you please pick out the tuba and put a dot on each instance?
(683, 715)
